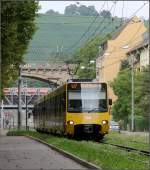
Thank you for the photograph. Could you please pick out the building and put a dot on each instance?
(140, 53)
(115, 50)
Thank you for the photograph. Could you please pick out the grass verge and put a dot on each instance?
(106, 157)
(134, 140)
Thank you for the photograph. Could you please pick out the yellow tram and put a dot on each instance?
(74, 109)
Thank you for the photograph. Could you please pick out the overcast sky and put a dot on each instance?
(129, 7)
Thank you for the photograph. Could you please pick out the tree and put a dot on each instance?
(89, 52)
(105, 13)
(84, 55)
(83, 10)
(52, 12)
(121, 85)
(87, 11)
(92, 10)
(142, 92)
(17, 28)
(71, 10)
(80, 10)
(122, 89)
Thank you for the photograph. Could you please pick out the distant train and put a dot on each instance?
(76, 109)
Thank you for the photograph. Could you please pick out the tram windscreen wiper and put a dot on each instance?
(100, 109)
(74, 109)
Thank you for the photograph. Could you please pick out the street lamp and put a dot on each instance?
(106, 54)
(87, 68)
(92, 61)
(125, 46)
(82, 67)
(88, 65)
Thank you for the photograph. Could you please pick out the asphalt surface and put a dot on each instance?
(24, 153)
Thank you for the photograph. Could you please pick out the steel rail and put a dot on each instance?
(143, 152)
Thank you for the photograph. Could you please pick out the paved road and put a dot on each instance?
(24, 153)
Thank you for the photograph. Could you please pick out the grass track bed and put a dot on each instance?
(107, 157)
(140, 142)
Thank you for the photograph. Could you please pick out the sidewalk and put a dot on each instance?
(20, 153)
(3, 132)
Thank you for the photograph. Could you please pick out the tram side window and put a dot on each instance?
(61, 103)
(38, 112)
(53, 107)
(43, 110)
(56, 106)
(50, 105)
(48, 108)
(64, 102)
(46, 113)
(58, 101)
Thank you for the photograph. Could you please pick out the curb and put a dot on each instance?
(67, 154)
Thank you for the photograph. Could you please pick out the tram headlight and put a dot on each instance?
(104, 122)
(70, 122)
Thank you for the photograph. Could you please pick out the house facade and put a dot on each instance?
(114, 51)
(140, 53)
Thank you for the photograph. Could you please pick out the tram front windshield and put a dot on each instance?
(84, 97)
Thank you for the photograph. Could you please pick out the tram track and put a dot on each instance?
(128, 149)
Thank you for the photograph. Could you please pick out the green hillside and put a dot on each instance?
(64, 32)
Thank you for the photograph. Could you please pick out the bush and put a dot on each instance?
(140, 123)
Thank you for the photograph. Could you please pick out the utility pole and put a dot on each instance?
(62, 48)
(26, 102)
(57, 49)
(149, 107)
(132, 95)
(26, 112)
(19, 98)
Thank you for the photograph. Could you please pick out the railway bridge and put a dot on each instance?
(53, 73)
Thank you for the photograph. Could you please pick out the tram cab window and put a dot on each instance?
(87, 98)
